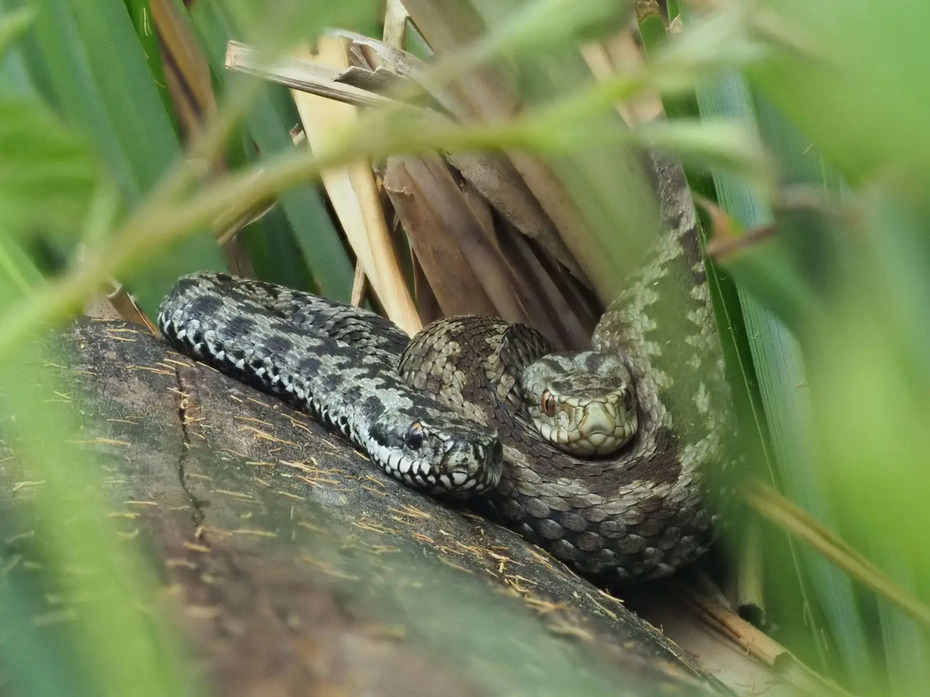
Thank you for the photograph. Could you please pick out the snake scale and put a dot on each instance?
(444, 412)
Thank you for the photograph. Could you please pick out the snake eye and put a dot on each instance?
(414, 437)
(548, 403)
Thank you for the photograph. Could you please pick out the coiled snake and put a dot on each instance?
(446, 412)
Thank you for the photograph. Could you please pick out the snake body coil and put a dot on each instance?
(642, 511)
(424, 416)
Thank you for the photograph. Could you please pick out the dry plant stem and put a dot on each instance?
(128, 310)
(427, 304)
(452, 281)
(302, 75)
(354, 195)
(491, 173)
(395, 23)
(723, 249)
(748, 593)
(570, 238)
(575, 316)
(463, 226)
(185, 64)
(569, 221)
(208, 141)
(499, 182)
(519, 294)
(358, 285)
(485, 97)
(162, 219)
(716, 612)
(112, 301)
(776, 508)
(187, 74)
(118, 304)
(713, 609)
(203, 149)
(621, 51)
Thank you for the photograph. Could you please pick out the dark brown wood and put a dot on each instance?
(298, 568)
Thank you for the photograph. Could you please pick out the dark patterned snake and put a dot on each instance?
(337, 363)
(478, 406)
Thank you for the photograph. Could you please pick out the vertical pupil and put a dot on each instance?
(548, 403)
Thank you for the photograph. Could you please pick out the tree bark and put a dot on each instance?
(299, 568)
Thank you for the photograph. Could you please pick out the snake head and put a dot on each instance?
(583, 403)
(459, 458)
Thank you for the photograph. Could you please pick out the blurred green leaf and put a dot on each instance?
(856, 83)
(13, 24)
(104, 87)
(98, 639)
(765, 267)
(772, 505)
(845, 85)
(47, 172)
(147, 34)
(651, 22)
(517, 27)
(19, 273)
(90, 56)
(781, 373)
(872, 384)
(717, 143)
(312, 233)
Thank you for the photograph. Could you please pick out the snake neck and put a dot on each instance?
(664, 324)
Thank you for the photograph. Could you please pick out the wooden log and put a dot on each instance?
(297, 567)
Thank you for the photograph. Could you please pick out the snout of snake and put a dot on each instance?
(596, 429)
(462, 467)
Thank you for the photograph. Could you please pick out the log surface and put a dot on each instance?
(297, 567)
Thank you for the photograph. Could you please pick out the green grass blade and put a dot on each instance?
(149, 41)
(780, 369)
(47, 173)
(16, 267)
(96, 71)
(13, 24)
(268, 125)
(103, 85)
(856, 88)
(95, 638)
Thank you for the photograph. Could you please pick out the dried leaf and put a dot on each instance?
(355, 197)
(451, 278)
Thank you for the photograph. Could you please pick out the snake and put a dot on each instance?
(329, 360)
(599, 456)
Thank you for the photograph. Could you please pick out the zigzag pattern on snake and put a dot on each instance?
(335, 362)
(640, 513)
